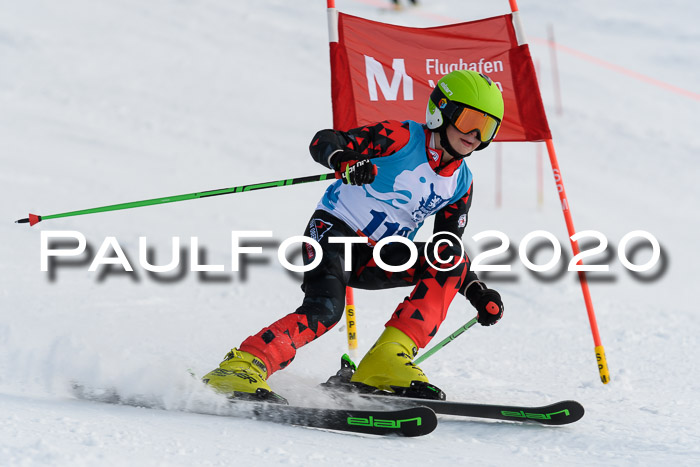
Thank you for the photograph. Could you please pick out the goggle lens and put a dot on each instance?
(471, 119)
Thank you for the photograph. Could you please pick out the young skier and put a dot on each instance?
(393, 176)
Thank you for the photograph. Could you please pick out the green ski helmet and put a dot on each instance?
(469, 101)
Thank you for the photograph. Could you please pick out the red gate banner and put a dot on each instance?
(382, 71)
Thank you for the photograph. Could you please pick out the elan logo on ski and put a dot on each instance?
(534, 416)
(371, 421)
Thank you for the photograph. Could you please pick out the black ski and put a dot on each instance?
(343, 390)
(415, 420)
(558, 413)
(404, 421)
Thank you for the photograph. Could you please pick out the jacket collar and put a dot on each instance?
(435, 158)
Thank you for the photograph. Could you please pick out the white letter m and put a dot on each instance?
(375, 75)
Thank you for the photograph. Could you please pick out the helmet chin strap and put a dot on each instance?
(445, 143)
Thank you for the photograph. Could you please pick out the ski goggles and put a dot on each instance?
(465, 118)
(469, 119)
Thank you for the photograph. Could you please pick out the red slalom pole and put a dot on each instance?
(599, 350)
(350, 315)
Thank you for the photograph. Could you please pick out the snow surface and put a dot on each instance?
(107, 102)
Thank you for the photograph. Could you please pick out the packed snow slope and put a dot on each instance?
(109, 102)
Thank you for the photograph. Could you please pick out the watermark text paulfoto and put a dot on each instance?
(67, 244)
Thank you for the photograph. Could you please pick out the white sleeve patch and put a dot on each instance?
(462, 220)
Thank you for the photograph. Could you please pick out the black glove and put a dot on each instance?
(353, 168)
(487, 302)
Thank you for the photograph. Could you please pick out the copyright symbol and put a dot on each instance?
(436, 246)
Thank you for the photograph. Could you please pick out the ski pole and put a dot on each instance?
(34, 218)
(445, 341)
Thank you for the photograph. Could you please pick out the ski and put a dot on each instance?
(405, 421)
(343, 390)
(409, 421)
(558, 413)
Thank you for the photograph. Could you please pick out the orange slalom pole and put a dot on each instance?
(599, 350)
